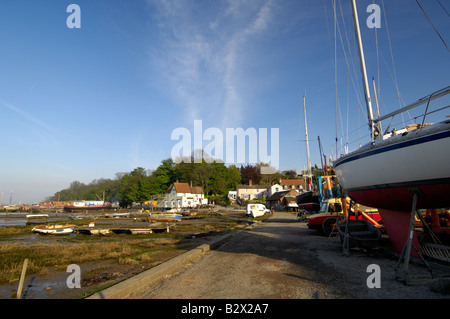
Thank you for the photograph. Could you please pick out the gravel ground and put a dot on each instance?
(283, 259)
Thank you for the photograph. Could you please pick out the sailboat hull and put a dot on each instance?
(400, 198)
(385, 175)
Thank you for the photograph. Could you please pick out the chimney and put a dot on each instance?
(250, 182)
(191, 184)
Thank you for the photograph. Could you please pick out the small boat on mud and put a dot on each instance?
(165, 217)
(93, 231)
(30, 216)
(54, 229)
(87, 206)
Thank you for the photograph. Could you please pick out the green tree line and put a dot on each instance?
(140, 185)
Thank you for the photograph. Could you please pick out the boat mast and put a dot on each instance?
(363, 70)
(307, 141)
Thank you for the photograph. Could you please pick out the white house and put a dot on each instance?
(232, 195)
(183, 195)
(272, 190)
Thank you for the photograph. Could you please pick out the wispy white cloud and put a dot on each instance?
(27, 116)
(41, 134)
(201, 57)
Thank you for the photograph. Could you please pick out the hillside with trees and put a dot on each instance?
(216, 180)
(143, 184)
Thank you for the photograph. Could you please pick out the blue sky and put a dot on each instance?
(82, 104)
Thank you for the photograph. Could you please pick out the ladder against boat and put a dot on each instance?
(359, 234)
(436, 251)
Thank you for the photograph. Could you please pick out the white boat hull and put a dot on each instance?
(386, 176)
(383, 175)
(53, 230)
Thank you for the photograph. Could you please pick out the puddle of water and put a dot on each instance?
(5, 222)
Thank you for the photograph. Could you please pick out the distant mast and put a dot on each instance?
(307, 145)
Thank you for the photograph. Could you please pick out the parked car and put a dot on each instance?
(330, 211)
(256, 210)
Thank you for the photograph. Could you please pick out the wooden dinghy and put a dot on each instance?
(93, 231)
(165, 217)
(54, 229)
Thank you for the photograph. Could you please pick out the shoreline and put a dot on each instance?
(152, 250)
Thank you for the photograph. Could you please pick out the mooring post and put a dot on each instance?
(22, 278)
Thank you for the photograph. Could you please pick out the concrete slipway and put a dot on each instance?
(276, 259)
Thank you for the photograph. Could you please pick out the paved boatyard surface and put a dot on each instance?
(283, 259)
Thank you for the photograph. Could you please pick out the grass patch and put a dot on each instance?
(126, 250)
(41, 256)
(14, 231)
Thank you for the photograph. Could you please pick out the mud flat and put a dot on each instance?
(125, 254)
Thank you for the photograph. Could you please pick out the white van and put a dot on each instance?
(257, 210)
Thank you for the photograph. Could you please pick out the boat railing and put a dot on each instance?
(427, 99)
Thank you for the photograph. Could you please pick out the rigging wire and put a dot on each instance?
(352, 71)
(392, 57)
(442, 39)
(443, 7)
(377, 45)
(335, 72)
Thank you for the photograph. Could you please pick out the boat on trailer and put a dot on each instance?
(399, 172)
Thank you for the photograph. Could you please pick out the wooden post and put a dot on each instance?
(22, 278)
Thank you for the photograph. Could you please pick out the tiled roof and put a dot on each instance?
(185, 188)
(277, 195)
(252, 187)
(196, 190)
(290, 182)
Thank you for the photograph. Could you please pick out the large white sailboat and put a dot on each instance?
(401, 171)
